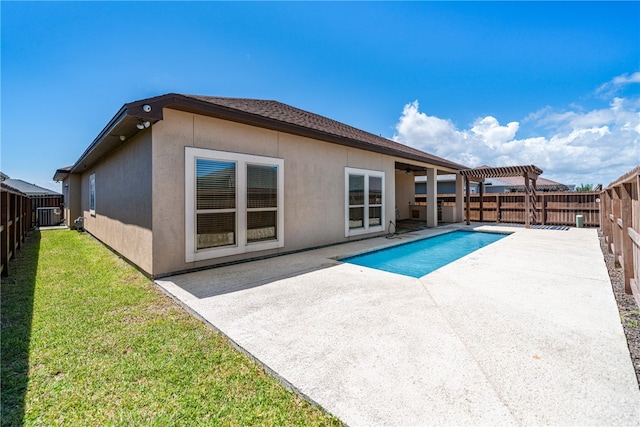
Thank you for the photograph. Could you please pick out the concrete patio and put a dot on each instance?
(522, 332)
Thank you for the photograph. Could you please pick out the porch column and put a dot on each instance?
(459, 217)
(432, 197)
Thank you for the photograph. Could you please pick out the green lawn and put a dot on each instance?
(88, 340)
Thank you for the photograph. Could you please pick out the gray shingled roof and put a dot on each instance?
(287, 114)
(267, 114)
(29, 189)
(518, 183)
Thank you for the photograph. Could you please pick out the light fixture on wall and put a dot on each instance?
(122, 137)
(142, 124)
(407, 171)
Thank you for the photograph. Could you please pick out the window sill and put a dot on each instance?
(212, 253)
(361, 231)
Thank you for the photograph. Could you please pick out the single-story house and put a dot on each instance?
(181, 182)
(514, 184)
(446, 185)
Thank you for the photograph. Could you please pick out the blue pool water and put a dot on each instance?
(421, 257)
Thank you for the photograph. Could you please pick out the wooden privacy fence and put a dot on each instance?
(620, 217)
(16, 222)
(557, 208)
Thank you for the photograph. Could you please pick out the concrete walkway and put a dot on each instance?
(522, 332)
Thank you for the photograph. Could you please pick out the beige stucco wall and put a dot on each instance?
(405, 193)
(313, 183)
(123, 216)
(72, 190)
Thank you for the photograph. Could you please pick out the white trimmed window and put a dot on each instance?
(364, 201)
(92, 194)
(234, 203)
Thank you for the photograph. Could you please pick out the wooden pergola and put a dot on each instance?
(530, 174)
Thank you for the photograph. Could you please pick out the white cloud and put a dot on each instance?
(494, 135)
(578, 146)
(626, 78)
(610, 88)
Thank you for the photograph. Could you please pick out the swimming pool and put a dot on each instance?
(423, 256)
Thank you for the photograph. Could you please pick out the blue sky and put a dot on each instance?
(549, 83)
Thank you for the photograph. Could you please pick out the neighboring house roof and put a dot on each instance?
(440, 178)
(262, 113)
(511, 177)
(10, 189)
(3, 176)
(516, 183)
(29, 189)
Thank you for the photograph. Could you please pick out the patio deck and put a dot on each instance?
(523, 331)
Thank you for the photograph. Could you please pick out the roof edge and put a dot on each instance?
(120, 115)
(151, 109)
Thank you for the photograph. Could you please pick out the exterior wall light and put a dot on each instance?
(143, 124)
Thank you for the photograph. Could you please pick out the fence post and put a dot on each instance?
(606, 210)
(5, 233)
(616, 245)
(626, 243)
(14, 224)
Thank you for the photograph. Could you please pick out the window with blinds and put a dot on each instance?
(262, 202)
(364, 201)
(356, 201)
(215, 203)
(375, 200)
(233, 203)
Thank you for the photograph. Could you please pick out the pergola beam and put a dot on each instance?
(530, 173)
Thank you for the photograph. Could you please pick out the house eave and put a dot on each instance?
(123, 126)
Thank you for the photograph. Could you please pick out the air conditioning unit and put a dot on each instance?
(49, 216)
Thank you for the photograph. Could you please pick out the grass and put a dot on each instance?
(88, 340)
(631, 318)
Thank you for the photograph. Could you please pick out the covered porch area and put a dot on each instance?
(412, 216)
